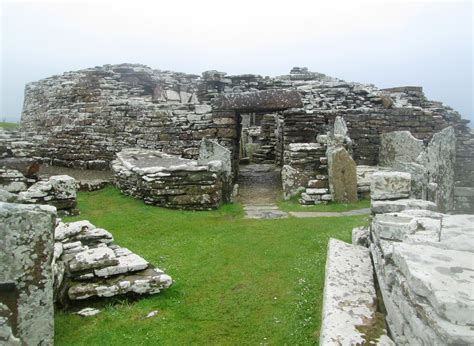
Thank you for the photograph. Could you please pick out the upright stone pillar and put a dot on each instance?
(342, 172)
(26, 277)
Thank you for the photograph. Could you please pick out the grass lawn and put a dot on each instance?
(6, 125)
(237, 281)
(293, 205)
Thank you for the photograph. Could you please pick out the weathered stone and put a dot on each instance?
(26, 252)
(340, 127)
(149, 281)
(349, 302)
(360, 236)
(59, 191)
(175, 182)
(6, 196)
(294, 181)
(393, 206)
(26, 166)
(439, 160)
(443, 277)
(127, 262)
(87, 312)
(394, 227)
(69, 230)
(259, 100)
(100, 257)
(390, 185)
(342, 175)
(399, 146)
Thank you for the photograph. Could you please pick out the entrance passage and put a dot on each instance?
(259, 184)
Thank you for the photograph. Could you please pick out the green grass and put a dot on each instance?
(7, 125)
(237, 281)
(293, 205)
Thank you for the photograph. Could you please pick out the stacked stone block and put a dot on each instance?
(87, 264)
(170, 181)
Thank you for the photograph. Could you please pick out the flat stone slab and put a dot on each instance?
(443, 277)
(380, 207)
(257, 207)
(265, 214)
(127, 262)
(349, 302)
(99, 257)
(306, 214)
(390, 185)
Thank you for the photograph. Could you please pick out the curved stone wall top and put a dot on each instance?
(83, 118)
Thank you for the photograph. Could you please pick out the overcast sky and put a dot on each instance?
(384, 43)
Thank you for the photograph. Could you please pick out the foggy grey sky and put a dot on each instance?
(386, 44)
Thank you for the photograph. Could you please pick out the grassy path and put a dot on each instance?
(236, 281)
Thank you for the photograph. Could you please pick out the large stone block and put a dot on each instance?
(390, 185)
(26, 276)
(342, 173)
(439, 160)
(349, 302)
(443, 277)
(399, 146)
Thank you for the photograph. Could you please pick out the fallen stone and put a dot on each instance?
(152, 314)
(87, 312)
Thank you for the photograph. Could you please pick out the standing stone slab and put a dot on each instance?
(26, 276)
(342, 172)
(390, 185)
(349, 306)
(439, 160)
(399, 146)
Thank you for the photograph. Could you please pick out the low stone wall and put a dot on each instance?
(170, 181)
(58, 191)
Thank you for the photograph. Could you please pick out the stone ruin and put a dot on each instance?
(179, 140)
(423, 262)
(85, 118)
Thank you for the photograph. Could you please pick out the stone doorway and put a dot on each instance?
(259, 177)
(259, 184)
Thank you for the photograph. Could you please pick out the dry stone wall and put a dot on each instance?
(83, 118)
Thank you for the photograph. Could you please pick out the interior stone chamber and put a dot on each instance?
(83, 118)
